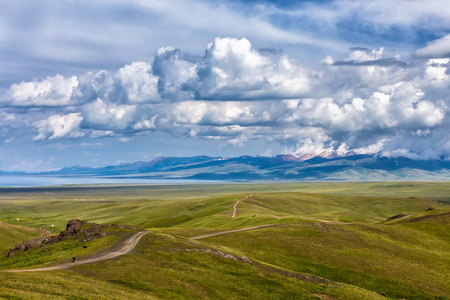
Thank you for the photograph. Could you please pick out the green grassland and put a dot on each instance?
(389, 259)
(329, 241)
(13, 234)
(170, 268)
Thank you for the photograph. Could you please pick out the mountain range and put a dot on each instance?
(328, 165)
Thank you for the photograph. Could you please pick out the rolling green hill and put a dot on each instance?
(14, 234)
(338, 244)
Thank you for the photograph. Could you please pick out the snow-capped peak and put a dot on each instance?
(326, 154)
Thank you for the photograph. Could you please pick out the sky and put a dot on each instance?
(105, 82)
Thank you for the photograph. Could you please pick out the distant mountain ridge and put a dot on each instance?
(327, 154)
(328, 165)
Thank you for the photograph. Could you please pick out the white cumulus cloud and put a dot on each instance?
(52, 91)
(59, 126)
(138, 82)
(232, 70)
(234, 94)
(104, 116)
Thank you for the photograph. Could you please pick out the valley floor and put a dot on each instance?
(270, 242)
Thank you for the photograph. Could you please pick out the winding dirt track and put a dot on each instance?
(231, 231)
(258, 227)
(236, 204)
(127, 246)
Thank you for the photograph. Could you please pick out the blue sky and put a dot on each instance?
(103, 82)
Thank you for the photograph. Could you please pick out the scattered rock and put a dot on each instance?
(73, 228)
(265, 269)
(222, 254)
(323, 296)
(93, 233)
(325, 227)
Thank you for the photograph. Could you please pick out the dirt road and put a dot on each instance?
(236, 204)
(258, 227)
(230, 231)
(127, 246)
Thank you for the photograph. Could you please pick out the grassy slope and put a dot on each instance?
(407, 258)
(409, 254)
(143, 212)
(301, 207)
(173, 268)
(13, 234)
(392, 259)
(62, 285)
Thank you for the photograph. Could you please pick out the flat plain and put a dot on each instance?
(312, 241)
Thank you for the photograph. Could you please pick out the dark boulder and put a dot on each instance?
(73, 227)
(397, 217)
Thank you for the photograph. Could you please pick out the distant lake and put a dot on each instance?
(34, 181)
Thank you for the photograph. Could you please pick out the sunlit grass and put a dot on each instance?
(334, 231)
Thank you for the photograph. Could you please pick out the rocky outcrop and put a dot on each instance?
(73, 228)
